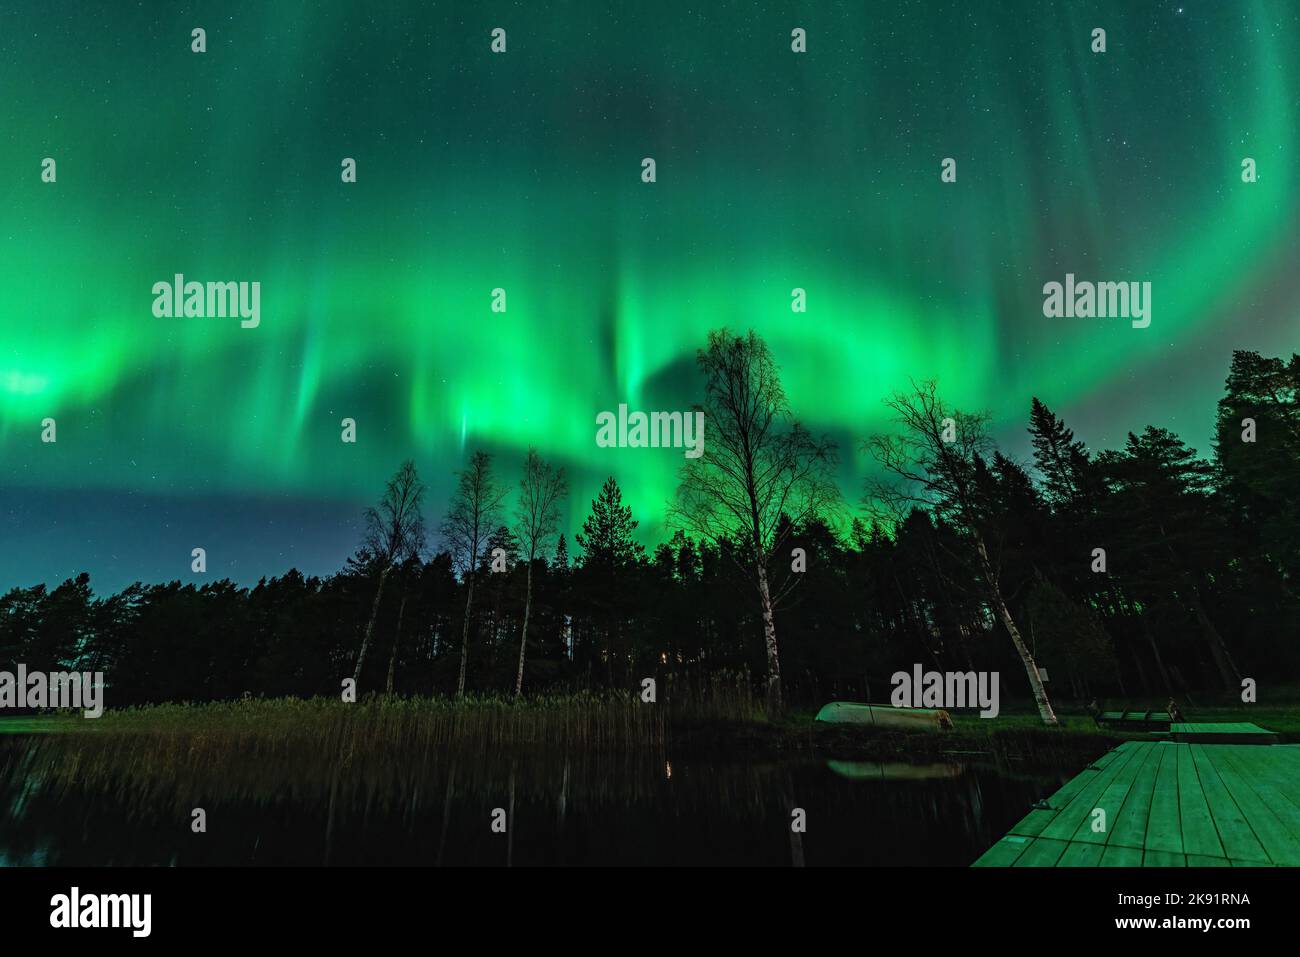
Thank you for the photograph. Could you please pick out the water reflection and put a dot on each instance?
(894, 770)
(70, 801)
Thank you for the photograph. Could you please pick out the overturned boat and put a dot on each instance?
(885, 716)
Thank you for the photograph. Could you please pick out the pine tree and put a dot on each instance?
(1162, 519)
(607, 577)
(606, 536)
(504, 539)
(1060, 459)
(1257, 451)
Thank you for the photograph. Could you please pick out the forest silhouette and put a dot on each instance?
(954, 556)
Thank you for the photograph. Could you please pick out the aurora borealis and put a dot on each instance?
(521, 171)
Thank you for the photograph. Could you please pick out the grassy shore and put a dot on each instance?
(714, 720)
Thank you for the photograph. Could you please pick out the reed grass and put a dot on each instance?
(379, 750)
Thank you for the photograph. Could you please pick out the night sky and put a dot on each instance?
(522, 171)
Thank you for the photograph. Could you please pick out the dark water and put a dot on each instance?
(59, 808)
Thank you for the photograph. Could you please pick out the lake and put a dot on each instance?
(60, 806)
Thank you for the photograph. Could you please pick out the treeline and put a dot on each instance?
(1136, 572)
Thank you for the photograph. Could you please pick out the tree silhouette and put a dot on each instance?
(934, 462)
(394, 533)
(537, 520)
(471, 516)
(760, 474)
(1199, 584)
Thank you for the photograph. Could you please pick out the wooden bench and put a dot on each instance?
(1136, 720)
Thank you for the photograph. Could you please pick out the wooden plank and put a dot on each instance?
(1164, 828)
(1199, 833)
(1068, 819)
(1274, 775)
(1163, 859)
(1042, 852)
(1081, 855)
(1111, 800)
(1238, 840)
(1004, 852)
(1222, 727)
(1032, 824)
(1279, 767)
(1115, 856)
(1221, 732)
(1169, 805)
(1130, 826)
(1275, 800)
(1281, 846)
(1110, 756)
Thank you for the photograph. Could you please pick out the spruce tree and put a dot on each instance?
(606, 536)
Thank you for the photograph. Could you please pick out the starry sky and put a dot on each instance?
(522, 171)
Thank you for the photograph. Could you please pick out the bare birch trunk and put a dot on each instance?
(464, 638)
(370, 625)
(769, 640)
(523, 638)
(1031, 666)
(397, 639)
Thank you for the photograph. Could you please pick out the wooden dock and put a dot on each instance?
(1229, 732)
(1167, 804)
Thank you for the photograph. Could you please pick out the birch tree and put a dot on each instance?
(472, 515)
(537, 520)
(761, 474)
(394, 533)
(932, 463)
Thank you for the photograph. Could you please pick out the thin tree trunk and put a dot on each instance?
(1031, 666)
(1142, 674)
(1160, 661)
(464, 638)
(397, 639)
(370, 625)
(1228, 672)
(769, 641)
(523, 638)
